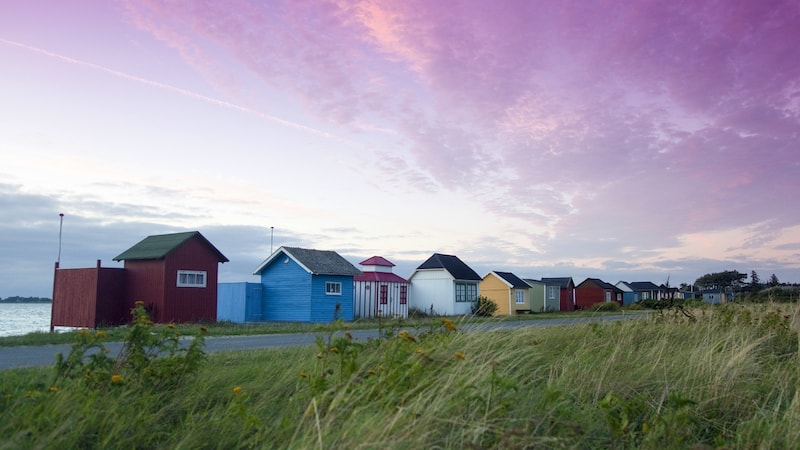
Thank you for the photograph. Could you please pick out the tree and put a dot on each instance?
(755, 281)
(721, 280)
(773, 280)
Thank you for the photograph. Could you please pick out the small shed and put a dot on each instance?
(566, 292)
(306, 285)
(175, 275)
(378, 291)
(508, 291)
(594, 290)
(444, 285)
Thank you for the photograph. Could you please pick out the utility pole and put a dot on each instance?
(271, 233)
(60, 227)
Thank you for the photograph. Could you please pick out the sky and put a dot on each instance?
(622, 140)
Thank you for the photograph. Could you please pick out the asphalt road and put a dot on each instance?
(45, 355)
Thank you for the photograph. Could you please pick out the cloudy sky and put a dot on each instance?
(625, 140)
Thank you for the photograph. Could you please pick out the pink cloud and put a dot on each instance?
(646, 109)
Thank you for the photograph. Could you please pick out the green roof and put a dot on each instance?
(159, 246)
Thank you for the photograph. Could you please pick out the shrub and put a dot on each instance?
(484, 307)
(606, 306)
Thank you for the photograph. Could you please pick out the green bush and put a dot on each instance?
(484, 307)
(606, 307)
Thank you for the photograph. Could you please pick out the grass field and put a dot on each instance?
(728, 378)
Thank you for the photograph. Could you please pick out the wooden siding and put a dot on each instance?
(323, 306)
(89, 297)
(568, 298)
(287, 291)
(367, 299)
(190, 304)
(433, 290)
(498, 291)
(146, 284)
(537, 295)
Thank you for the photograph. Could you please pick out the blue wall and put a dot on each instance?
(239, 302)
(294, 295)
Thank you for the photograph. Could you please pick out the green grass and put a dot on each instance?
(729, 378)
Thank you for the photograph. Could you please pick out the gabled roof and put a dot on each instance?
(643, 286)
(159, 246)
(600, 283)
(457, 269)
(377, 261)
(563, 282)
(512, 280)
(315, 262)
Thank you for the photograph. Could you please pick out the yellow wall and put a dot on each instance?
(497, 290)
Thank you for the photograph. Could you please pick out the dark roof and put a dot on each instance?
(561, 282)
(452, 264)
(643, 286)
(601, 284)
(512, 279)
(317, 262)
(159, 246)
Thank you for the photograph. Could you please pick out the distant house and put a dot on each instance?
(566, 292)
(378, 291)
(593, 290)
(306, 285)
(444, 285)
(716, 296)
(508, 291)
(544, 297)
(637, 291)
(175, 275)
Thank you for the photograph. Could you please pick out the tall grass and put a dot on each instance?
(729, 378)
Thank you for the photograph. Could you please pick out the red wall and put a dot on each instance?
(146, 284)
(88, 297)
(566, 299)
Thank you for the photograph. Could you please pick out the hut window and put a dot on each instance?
(191, 278)
(403, 295)
(384, 294)
(333, 288)
(520, 297)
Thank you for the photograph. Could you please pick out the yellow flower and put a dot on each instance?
(170, 325)
(404, 334)
(460, 355)
(449, 325)
(101, 334)
(420, 351)
(53, 389)
(203, 329)
(334, 350)
(372, 372)
(83, 331)
(304, 374)
(139, 303)
(237, 389)
(116, 378)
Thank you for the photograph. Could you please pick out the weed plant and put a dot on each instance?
(725, 378)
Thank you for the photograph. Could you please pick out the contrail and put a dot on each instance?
(171, 88)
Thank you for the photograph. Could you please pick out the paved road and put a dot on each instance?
(45, 355)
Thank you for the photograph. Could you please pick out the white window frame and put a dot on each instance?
(519, 297)
(553, 292)
(190, 278)
(333, 288)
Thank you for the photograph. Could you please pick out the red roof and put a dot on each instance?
(380, 276)
(377, 261)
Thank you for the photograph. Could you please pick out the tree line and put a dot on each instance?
(18, 299)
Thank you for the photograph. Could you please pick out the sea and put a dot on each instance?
(23, 318)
